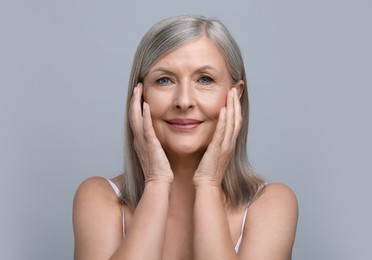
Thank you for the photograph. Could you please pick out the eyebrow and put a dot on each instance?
(198, 70)
(161, 69)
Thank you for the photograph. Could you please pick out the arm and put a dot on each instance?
(96, 215)
(272, 218)
(212, 238)
(145, 236)
(97, 220)
(269, 231)
(270, 228)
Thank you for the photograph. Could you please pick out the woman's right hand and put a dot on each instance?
(154, 162)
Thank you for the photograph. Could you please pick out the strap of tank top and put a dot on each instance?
(115, 188)
(237, 246)
(245, 217)
(117, 191)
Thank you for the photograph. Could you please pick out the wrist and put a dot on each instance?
(207, 185)
(206, 182)
(158, 185)
(158, 182)
(162, 179)
(209, 192)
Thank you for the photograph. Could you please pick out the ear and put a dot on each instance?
(240, 86)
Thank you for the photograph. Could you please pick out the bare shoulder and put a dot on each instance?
(96, 219)
(276, 204)
(275, 196)
(93, 189)
(95, 195)
(271, 223)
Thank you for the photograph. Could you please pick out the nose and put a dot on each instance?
(184, 97)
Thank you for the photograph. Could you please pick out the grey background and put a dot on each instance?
(64, 69)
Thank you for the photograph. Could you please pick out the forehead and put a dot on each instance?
(200, 52)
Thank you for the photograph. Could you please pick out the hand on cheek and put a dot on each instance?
(151, 155)
(218, 155)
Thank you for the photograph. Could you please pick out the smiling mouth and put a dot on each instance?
(183, 124)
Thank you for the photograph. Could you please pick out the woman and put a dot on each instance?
(187, 191)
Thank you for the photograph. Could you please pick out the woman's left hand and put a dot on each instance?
(214, 163)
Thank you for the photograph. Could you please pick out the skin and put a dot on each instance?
(182, 213)
(193, 83)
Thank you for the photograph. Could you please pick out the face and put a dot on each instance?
(185, 91)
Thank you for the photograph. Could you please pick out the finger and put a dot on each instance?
(220, 128)
(230, 119)
(135, 111)
(238, 116)
(135, 104)
(148, 128)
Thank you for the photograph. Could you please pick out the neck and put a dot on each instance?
(184, 166)
(183, 192)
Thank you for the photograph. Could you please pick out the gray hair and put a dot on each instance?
(240, 183)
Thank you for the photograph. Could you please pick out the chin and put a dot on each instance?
(186, 149)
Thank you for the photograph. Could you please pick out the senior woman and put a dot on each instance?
(187, 191)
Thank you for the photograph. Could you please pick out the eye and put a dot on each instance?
(205, 80)
(164, 81)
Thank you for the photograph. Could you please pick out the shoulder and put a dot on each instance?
(96, 215)
(94, 188)
(94, 194)
(276, 200)
(272, 221)
(274, 196)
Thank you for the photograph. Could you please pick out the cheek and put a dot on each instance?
(213, 104)
(157, 103)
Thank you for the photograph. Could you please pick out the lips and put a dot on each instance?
(184, 124)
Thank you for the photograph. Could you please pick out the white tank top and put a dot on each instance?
(237, 246)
